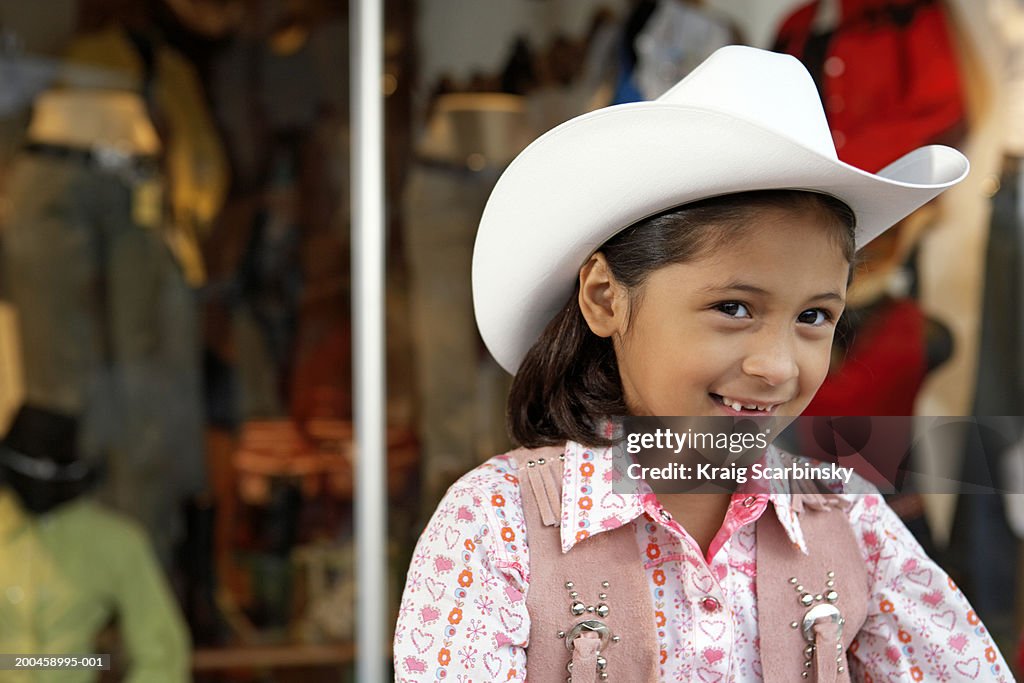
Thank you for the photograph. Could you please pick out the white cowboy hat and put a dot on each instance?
(745, 119)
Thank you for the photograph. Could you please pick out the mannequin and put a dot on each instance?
(475, 130)
(128, 50)
(661, 43)
(468, 140)
(76, 565)
(678, 36)
(94, 118)
(994, 525)
(886, 345)
(877, 112)
(107, 322)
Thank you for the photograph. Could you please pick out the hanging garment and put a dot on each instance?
(884, 366)
(887, 73)
(1007, 18)
(11, 383)
(677, 38)
(195, 160)
(76, 568)
(469, 139)
(987, 544)
(442, 208)
(108, 329)
(1004, 336)
(625, 85)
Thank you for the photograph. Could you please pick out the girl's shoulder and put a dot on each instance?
(860, 498)
(496, 476)
(482, 512)
(488, 495)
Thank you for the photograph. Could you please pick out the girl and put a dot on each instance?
(682, 257)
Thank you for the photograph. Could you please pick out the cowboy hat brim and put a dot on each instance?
(584, 181)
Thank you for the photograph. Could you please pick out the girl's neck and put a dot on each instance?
(701, 514)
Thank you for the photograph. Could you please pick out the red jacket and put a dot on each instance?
(888, 77)
(884, 367)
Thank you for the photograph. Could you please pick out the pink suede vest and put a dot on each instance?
(591, 613)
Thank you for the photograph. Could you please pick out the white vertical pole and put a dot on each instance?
(369, 404)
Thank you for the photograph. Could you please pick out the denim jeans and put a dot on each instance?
(108, 332)
(461, 393)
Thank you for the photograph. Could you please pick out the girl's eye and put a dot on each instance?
(815, 316)
(733, 309)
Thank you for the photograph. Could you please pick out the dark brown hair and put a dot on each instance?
(569, 378)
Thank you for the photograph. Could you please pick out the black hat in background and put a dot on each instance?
(39, 459)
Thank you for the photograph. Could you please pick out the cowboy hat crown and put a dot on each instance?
(743, 120)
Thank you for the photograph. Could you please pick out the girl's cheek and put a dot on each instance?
(817, 379)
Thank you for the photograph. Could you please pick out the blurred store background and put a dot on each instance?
(175, 328)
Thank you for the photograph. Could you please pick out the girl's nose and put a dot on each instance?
(772, 360)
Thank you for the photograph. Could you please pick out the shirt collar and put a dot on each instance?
(591, 506)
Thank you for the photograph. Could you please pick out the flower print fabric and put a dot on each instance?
(463, 615)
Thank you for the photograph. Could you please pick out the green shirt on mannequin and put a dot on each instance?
(67, 574)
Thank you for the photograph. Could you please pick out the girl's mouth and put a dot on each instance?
(739, 406)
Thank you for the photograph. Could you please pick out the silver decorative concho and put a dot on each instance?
(822, 606)
(578, 608)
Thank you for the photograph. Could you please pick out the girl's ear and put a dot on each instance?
(603, 301)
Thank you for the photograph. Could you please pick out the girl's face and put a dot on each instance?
(743, 330)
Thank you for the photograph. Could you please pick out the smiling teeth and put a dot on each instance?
(736, 405)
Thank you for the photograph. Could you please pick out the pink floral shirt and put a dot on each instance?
(463, 615)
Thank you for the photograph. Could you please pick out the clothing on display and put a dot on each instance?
(1007, 17)
(98, 272)
(600, 61)
(11, 382)
(39, 460)
(1001, 368)
(884, 367)
(663, 41)
(77, 568)
(985, 547)
(194, 158)
(78, 565)
(1000, 381)
(256, 89)
(625, 85)
(442, 208)
(989, 547)
(108, 328)
(889, 347)
(678, 36)
(887, 72)
(467, 143)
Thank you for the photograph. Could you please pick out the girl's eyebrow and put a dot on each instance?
(739, 286)
(829, 296)
(735, 286)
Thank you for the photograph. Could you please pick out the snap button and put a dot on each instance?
(834, 67)
(710, 604)
(666, 515)
(749, 501)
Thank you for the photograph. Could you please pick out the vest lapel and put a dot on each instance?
(596, 591)
(801, 599)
